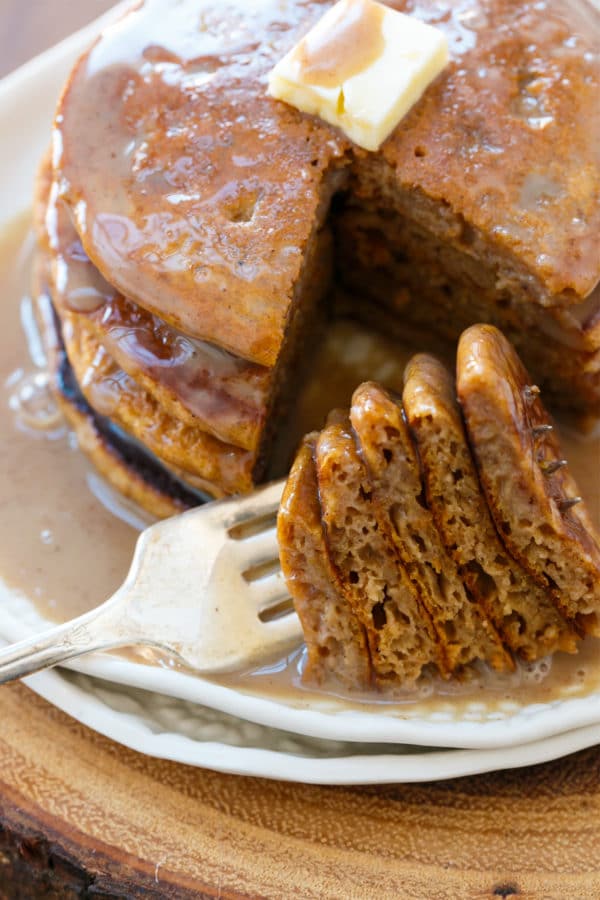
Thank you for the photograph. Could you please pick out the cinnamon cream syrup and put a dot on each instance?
(346, 50)
(58, 544)
(66, 541)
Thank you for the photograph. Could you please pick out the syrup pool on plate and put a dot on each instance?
(66, 539)
(59, 545)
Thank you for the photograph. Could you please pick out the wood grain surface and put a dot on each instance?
(82, 817)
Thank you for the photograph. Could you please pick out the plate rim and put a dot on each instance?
(264, 763)
(519, 729)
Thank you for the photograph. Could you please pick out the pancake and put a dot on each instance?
(183, 385)
(373, 579)
(336, 643)
(185, 83)
(111, 392)
(522, 611)
(204, 386)
(481, 204)
(123, 462)
(201, 233)
(530, 492)
(203, 462)
(462, 628)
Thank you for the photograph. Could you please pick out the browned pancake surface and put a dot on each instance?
(203, 385)
(129, 468)
(197, 195)
(462, 629)
(337, 649)
(516, 454)
(522, 611)
(111, 392)
(202, 194)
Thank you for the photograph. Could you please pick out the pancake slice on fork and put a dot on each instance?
(530, 491)
(522, 611)
(462, 628)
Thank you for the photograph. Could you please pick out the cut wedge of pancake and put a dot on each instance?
(401, 640)
(462, 628)
(336, 642)
(530, 492)
(199, 196)
(522, 611)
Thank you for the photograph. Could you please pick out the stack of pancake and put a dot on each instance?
(195, 234)
(421, 534)
(196, 408)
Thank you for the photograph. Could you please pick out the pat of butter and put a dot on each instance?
(361, 67)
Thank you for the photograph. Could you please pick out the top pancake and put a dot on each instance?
(196, 195)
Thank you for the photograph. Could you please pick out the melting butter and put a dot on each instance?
(362, 67)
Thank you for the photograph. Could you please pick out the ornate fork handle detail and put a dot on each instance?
(104, 628)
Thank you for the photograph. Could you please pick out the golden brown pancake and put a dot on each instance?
(212, 191)
(461, 625)
(337, 649)
(199, 197)
(522, 611)
(128, 466)
(195, 222)
(202, 385)
(191, 384)
(111, 392)
(530, 493)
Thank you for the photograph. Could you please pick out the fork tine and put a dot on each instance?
(286, 629)
(254, 551)
(240, 510)
(267, 592)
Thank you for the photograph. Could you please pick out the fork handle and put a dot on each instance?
(104, 628)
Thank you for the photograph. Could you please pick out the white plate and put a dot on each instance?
(27, 99)
(475, 726)
(172, 729)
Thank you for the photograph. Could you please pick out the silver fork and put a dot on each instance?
(205, 587)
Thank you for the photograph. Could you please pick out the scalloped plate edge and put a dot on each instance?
(129, 730)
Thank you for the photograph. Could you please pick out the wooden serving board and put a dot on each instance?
(81, 816)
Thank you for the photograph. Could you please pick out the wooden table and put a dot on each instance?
(82, 817)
